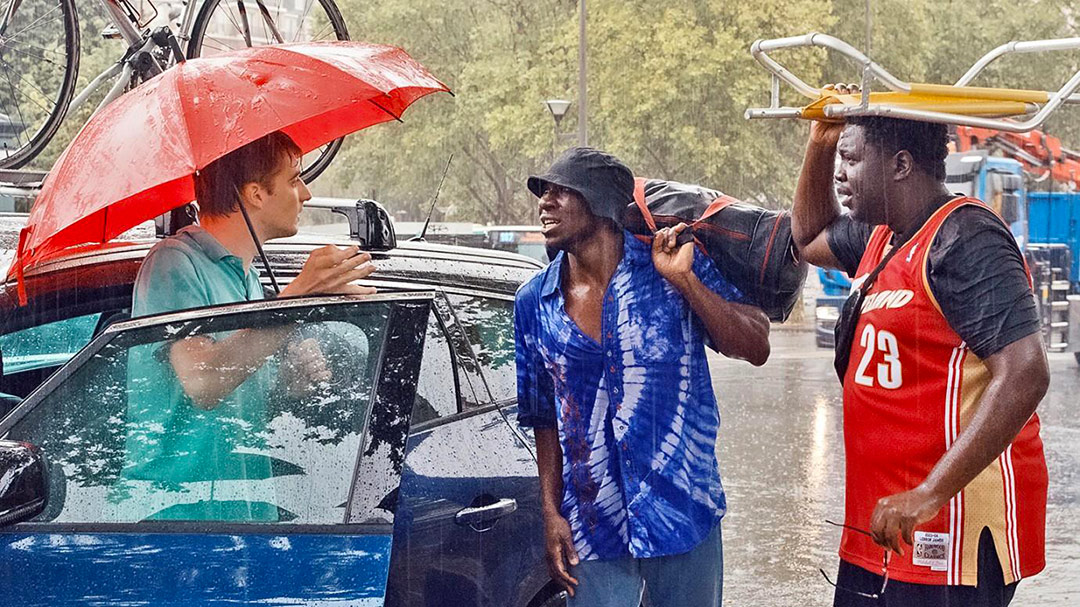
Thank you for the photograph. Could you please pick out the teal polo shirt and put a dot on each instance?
(185, 450)
(190, 270)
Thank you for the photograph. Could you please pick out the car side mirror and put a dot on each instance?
(24, 482)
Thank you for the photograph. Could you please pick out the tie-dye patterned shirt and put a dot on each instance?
(636, 413)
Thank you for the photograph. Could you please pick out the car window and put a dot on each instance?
(489, 326)
(48, 345)
(437, 387)
(127, 444)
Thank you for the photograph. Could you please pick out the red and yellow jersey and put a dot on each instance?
(911, 387)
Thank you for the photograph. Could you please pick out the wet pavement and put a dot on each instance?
(781, 454)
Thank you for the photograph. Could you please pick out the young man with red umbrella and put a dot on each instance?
(186, 397)
(212, 264)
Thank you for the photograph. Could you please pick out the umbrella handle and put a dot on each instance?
(258, 246)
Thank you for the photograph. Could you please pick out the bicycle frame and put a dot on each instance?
(137, 41)
(1037, 112)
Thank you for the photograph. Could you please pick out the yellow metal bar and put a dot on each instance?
(978, 92)
(971, 106)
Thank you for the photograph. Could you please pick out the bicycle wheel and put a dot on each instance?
(39, 61)
(225, 25)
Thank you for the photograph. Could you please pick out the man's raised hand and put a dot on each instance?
(827, 134)
(332, 270)
(673, 261)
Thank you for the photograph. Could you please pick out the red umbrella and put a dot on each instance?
(135, 159)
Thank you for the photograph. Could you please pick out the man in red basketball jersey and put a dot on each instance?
(946, 479)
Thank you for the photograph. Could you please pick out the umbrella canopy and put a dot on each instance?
(135, 159)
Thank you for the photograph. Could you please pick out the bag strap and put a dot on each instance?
(639, 198)
(722, 202)
(869, 282)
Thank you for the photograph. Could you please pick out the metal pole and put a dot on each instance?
(582, 132)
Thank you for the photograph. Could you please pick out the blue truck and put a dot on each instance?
(1046, 223)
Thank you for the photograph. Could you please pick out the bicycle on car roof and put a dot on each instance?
(39, 56)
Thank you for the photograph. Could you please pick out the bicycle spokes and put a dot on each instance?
(224, 25)
(9, 12)
(234, 24)
(38, 63)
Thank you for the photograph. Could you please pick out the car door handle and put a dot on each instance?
(485, 514)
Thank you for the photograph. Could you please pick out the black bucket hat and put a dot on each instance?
(606, 184)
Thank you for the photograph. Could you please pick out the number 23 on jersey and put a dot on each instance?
(888, 373)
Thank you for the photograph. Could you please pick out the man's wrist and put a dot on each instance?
(549, 511)
(933, 492)
(684, 282)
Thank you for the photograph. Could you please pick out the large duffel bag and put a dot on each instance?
(752, 246)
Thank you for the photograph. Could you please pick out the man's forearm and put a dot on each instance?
(549, 464)
(736, 330)
(814, 207)
(210, 370)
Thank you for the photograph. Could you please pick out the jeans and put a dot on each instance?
(694, 578)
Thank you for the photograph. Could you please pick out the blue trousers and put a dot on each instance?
(695, 578)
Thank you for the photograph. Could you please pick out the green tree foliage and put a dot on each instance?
(667, 86)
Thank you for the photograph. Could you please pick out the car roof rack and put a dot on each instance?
(369, 223)
(19, 185)
(1003, 109)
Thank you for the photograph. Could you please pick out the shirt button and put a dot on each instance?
(609, 335)
(611, 368)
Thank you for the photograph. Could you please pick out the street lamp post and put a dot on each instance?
(558, 108)
(582, 133)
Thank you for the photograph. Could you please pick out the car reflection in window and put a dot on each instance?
(47, 345)
(489, 326)
(132, 445)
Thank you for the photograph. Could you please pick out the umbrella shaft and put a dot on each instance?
(259, 247)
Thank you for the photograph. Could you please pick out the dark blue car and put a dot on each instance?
(402, 480)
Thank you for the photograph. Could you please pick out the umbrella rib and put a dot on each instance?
(395, 116)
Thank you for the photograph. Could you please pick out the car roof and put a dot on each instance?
(84, 276)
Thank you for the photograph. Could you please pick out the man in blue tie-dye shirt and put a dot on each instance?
(612, 376)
